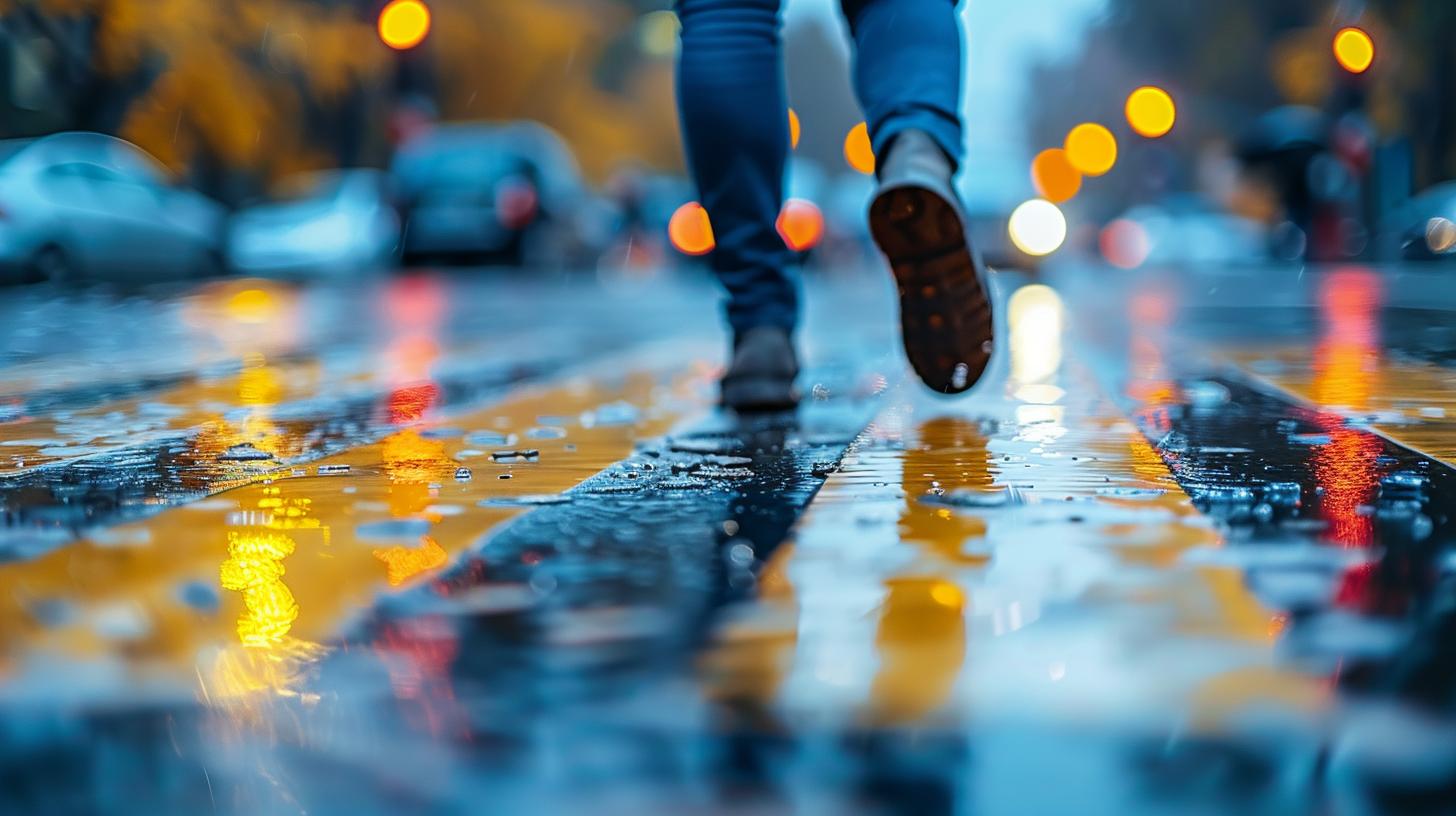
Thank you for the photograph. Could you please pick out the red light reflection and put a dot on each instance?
(414, 308)
(418, 654)
(1344, 362)
(1149, 312)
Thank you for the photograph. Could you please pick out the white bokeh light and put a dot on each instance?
(1038, 227)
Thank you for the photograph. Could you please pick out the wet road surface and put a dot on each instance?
(477, 542)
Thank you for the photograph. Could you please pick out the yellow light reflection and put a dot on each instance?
(949, 452)
(921, 640)
(1035, 314)
(403, 563)
(793, 129)
(251, 306)
(269, 660)
(255, 568)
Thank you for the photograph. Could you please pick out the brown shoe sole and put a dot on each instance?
(945, 310)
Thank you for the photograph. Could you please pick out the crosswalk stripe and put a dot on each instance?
(297, 554)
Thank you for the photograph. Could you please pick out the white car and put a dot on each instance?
(339, 222)
(86, 206)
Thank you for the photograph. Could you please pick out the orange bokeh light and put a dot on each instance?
(800, 224)
(404, 24)
(793, 129)
(1055, 178)
(1354, 50)
(858, 151)
(690, 230)
(1151, 112)
(1091, 148)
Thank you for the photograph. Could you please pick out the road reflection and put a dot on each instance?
(1345, 360)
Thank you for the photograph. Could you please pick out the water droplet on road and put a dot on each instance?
(527, 455)
(526, 500)
(243, 453)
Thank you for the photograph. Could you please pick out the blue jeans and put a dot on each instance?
(734, 113)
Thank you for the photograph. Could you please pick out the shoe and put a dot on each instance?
(945, 305)
(761, 376)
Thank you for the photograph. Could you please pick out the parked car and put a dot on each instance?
(84, 206)
(1424, 228)
(338, 222)
(1185, 230)
(485, 192)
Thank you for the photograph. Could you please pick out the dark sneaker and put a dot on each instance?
(761, 376)
(945, 305)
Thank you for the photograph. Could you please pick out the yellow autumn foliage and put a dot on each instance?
(235, 80)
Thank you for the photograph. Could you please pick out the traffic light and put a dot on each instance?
(1354, 50)
(404, 24)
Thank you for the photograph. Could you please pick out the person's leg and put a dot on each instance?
(734, 112)
(907, 69)
(907, 74)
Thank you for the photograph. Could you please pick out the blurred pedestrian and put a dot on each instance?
(733, 105)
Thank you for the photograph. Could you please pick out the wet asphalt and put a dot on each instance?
(479, 542)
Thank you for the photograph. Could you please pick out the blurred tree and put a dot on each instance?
(234, 92)
(595, 70)
(267, 87)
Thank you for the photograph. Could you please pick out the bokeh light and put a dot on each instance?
(251, 306)
(1055, 178)
(1354, 50)
(657, 33)
(793, 129)
(1440, 235)
(1091, 148)
(690, 230)
(404, 24)
(1035, 316)
(858, 151)
(800, 224)
(1038, 227)
(1125, 244)
(1151, 112)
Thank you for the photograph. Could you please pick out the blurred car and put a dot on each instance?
(1424, 228)
(1184, 230)
(331, 223)
(490, 192)
(80, 206)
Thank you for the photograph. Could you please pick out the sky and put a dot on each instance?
(1005, 39)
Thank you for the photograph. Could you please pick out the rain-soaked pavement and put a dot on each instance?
(480, 543)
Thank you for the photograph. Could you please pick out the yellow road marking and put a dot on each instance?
(289, 555)
(890, 610)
